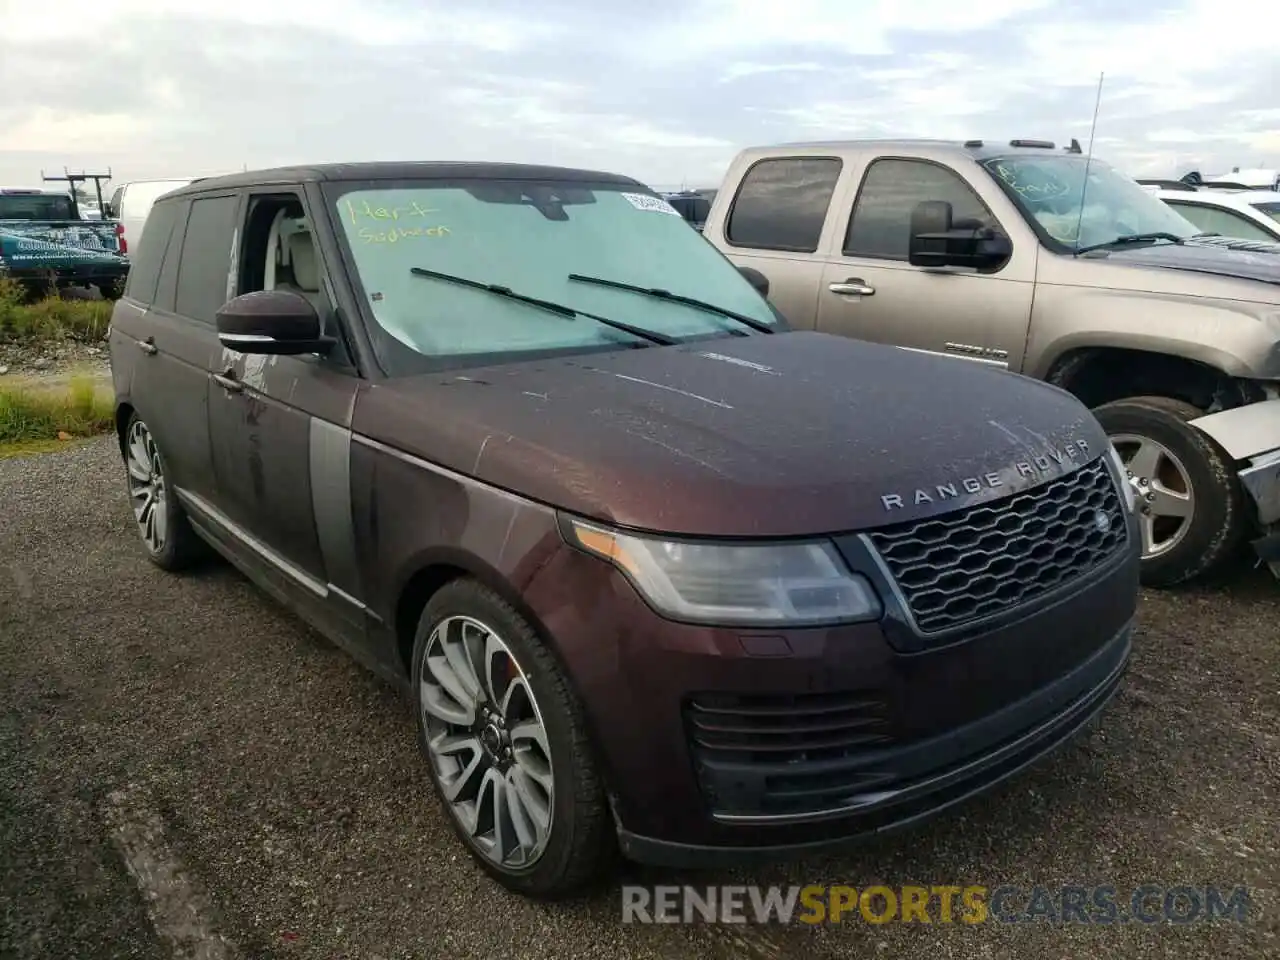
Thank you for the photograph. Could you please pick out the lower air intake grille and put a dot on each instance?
(777, 755)
(997, 556)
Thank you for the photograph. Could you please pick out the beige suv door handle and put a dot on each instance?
(853, 287)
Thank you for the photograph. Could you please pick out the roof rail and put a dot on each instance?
(1039, 144)
(1226, 185)
(1169, 185)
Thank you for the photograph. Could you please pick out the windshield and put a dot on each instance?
(1272, 210)
(529, 237)
(36, 206)
(1049, 190)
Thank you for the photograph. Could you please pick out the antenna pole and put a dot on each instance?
(1084, 187)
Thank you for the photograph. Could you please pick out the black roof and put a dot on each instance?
(403, 170)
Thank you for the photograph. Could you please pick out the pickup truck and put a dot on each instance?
(44, 244)
(1047, 263)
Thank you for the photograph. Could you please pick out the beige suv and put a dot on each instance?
(1041, 261)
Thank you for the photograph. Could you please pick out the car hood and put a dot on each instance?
(784, 435)
(1220, 256)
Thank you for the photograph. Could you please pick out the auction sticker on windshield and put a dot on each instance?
(642, 201)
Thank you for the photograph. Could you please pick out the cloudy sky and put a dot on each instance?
(665, 91)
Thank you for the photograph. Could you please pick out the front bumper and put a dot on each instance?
(942, 720)
(1017, 746)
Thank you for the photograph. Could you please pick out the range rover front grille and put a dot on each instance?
(961, 567)
(779, 755)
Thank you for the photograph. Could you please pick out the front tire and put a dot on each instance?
(1192, 513)
(506, 744)
(162, 524)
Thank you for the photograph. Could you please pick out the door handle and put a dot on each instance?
(227, 381)
(853, 287)
(147, 346)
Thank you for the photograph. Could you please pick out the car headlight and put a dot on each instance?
(729, 584)
(1122, 478)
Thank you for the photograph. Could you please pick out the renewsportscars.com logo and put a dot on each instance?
(944, 904)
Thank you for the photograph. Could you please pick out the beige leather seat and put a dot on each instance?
(302, 274)
(302, 258)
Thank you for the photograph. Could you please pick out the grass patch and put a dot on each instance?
(50, 318)
(83, 407)
(29, 448)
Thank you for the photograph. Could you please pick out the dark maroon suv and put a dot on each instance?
(659, 574)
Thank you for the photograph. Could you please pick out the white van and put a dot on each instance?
(132, 201)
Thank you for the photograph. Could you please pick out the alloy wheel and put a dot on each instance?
(1166, 499)
(487, 742)
(148, 492)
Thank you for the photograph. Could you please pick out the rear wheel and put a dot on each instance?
(162, 525)
(1191, 512)
(506, 743)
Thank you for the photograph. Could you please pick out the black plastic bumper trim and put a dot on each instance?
(979, 776)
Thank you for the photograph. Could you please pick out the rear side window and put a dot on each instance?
(144, 270)
(782, 204)
(881, 223)
(206, 264)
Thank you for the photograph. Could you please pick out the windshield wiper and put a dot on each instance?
(549, 305)
(661, 294)
(1133, 238)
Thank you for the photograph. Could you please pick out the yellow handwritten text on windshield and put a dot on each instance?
(363, 209)
(396, 234)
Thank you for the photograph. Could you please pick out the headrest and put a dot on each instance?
(302, 257)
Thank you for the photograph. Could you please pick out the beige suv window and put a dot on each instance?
(880, 227)
(782, 204)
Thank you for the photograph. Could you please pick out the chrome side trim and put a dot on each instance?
(212, 514)
(253, 543)
(1002, 364)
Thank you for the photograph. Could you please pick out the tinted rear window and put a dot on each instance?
(205, 268)
(693, 209)
(782, 204)
(144, 269)
(36, 206)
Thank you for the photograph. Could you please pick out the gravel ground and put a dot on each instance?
(255, 763)
(25, 360)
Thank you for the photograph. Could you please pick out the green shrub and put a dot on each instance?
(50, 318)
(80, 408)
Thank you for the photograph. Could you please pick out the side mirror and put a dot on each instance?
(938, 241)
(756, 279)
(278, 322)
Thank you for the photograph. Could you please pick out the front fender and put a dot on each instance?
(1240, 339)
